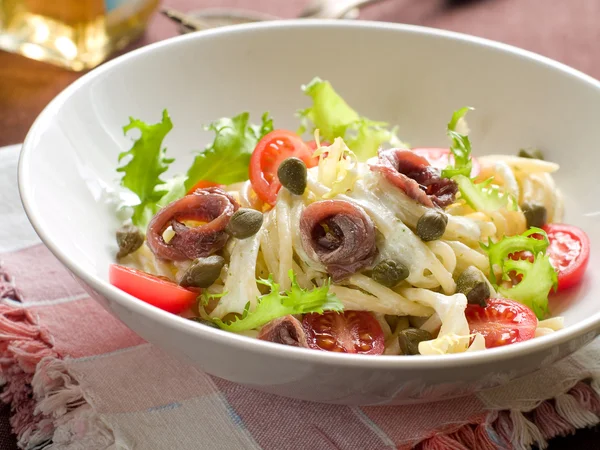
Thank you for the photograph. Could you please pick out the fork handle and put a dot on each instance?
(332, 9)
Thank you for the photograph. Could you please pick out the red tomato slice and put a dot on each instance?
(347, 332)
(270, 151)
(502, 322)
(441, 157)
(569, 253)
(203, 184)
(158, 291)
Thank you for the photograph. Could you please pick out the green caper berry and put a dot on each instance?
(203, 272)
(473, 284)
(389, 272)
(292, 175)
(531, 153)
(208, 323)
(432, 225)
(245, 222)
(410, 338)
(535, 214)
(129, 239)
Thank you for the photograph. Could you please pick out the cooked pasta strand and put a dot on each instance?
(267, 242)
(241, 284)
(386, 298)
(466, 256)
(284, 227)
(444, 253)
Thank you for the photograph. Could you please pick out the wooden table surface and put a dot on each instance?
(566, 30)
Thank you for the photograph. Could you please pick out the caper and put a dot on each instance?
(531, 153)
(432, 225)
(208, 323)
(473, 284)
(409, 340)
(245, 222)
(389, 272)
(129, 240)
(203, 272)
(292, 175)
(535, 214)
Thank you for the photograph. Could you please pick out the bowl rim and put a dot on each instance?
(221, 337)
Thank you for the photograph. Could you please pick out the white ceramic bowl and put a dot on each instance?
(410, 76)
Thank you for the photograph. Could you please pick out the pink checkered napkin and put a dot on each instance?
(77, 378)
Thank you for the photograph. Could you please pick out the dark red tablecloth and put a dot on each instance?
(566, 30)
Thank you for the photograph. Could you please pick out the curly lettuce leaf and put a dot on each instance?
(460, 147)
(537, 278)
(334, 118)
(484, 197)
(329, 113)
(175, 188)
(499, 252)
(368, 136)
(226, 159)
(141, 174)
(275, 304)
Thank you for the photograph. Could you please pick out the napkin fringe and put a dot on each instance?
(49, 408)
(22, 345)
(577, 408)
(76, 424)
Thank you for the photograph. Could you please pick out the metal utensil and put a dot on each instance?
(217, 17)
(333, 9)
(205, 19)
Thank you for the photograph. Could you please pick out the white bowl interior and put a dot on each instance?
(407, 76)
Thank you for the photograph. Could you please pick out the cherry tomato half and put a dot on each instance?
(569, 253)
(347, 332)
(501, 322)
(441, 157)
(203, 184)
(158, 291)
(270, 151)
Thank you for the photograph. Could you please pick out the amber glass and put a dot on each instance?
(76, 34)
